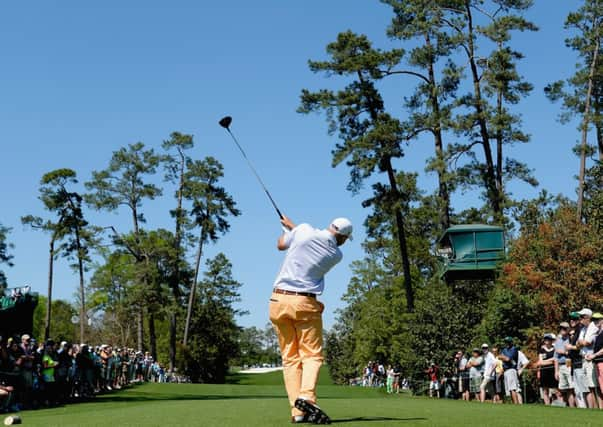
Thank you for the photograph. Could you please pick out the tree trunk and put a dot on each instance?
(139, 329)
(489, 178)
(176, 279)
(191, 297)
(49, 301)
(401, 234)
(172, 347)
(80, 265)
(585, 124)
(439, 148)
(152, 336)
(600, 139)
(499, 140)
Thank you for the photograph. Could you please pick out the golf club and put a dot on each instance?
(225, 123)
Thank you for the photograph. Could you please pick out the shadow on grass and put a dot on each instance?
(174, 397)
(363, 419)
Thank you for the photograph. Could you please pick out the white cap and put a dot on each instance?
(586, 312)
(342, 226)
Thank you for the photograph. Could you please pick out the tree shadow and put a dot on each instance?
(159, 397)
(365, 419)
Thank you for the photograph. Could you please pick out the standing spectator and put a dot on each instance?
(563, 372)
(498, 376)
(576, 360)
(546, 368)
(390, 379)
(476, 370)
(522, 363)
(26, 366)
(509, 358)
(434, 383)
(585, 343)
(397, 379)
(49, 363)
(462, 373)
(487, 385)
(597, 355)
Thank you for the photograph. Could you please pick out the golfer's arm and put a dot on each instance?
(280, 244)
(289, 225)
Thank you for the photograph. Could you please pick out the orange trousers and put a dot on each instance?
(298, 324)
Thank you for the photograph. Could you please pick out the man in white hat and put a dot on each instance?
(296, 313)
(586, 339)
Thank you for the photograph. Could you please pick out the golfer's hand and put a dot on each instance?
(287, 223)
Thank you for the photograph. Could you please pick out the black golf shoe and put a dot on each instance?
(314, 414)
(299, 419)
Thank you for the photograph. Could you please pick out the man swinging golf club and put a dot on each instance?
(296, 313)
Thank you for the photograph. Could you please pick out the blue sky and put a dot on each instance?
(79, 80)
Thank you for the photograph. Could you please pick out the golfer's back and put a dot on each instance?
(311, 254)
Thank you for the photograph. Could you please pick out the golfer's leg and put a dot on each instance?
(309, 337)
(287, 340)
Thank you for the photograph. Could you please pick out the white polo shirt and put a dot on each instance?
(589, 334)
(311, 253)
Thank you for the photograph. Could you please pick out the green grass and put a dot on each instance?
(260, 400)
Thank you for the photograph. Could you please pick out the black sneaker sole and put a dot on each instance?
(315, 414)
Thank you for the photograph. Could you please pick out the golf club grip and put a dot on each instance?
(280, 215)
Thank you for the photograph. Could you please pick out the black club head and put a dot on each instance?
(225, 122)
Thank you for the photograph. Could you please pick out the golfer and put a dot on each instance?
(296, 313)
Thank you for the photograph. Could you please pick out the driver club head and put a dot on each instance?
(225, 122)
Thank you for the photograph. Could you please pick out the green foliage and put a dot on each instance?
(211, 204)
(61, 326)
(213, 342)
(122, 182)
(371, 138)
(5, 256)
(593, 197)
(257, 347)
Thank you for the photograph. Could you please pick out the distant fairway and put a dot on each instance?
(259, 400)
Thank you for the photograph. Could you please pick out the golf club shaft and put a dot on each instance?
(255, 173)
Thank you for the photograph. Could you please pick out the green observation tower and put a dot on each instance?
(471, 252)
(16, 311)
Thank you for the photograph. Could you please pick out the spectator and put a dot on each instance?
(586, 339)
(62, 371)
(390, 379)
(49, 363)
(597, 355)
(397, 379)
(476, 370)
(546, 368)
(487, 385)
(509, 358)
(462, 373)
(498, 376)
(562, 364)
(522, 364)
(434, 383)
(26, 364)
(576, 360)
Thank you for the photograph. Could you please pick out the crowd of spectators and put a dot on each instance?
(375, 374)
(569, 368)
(34, 375)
